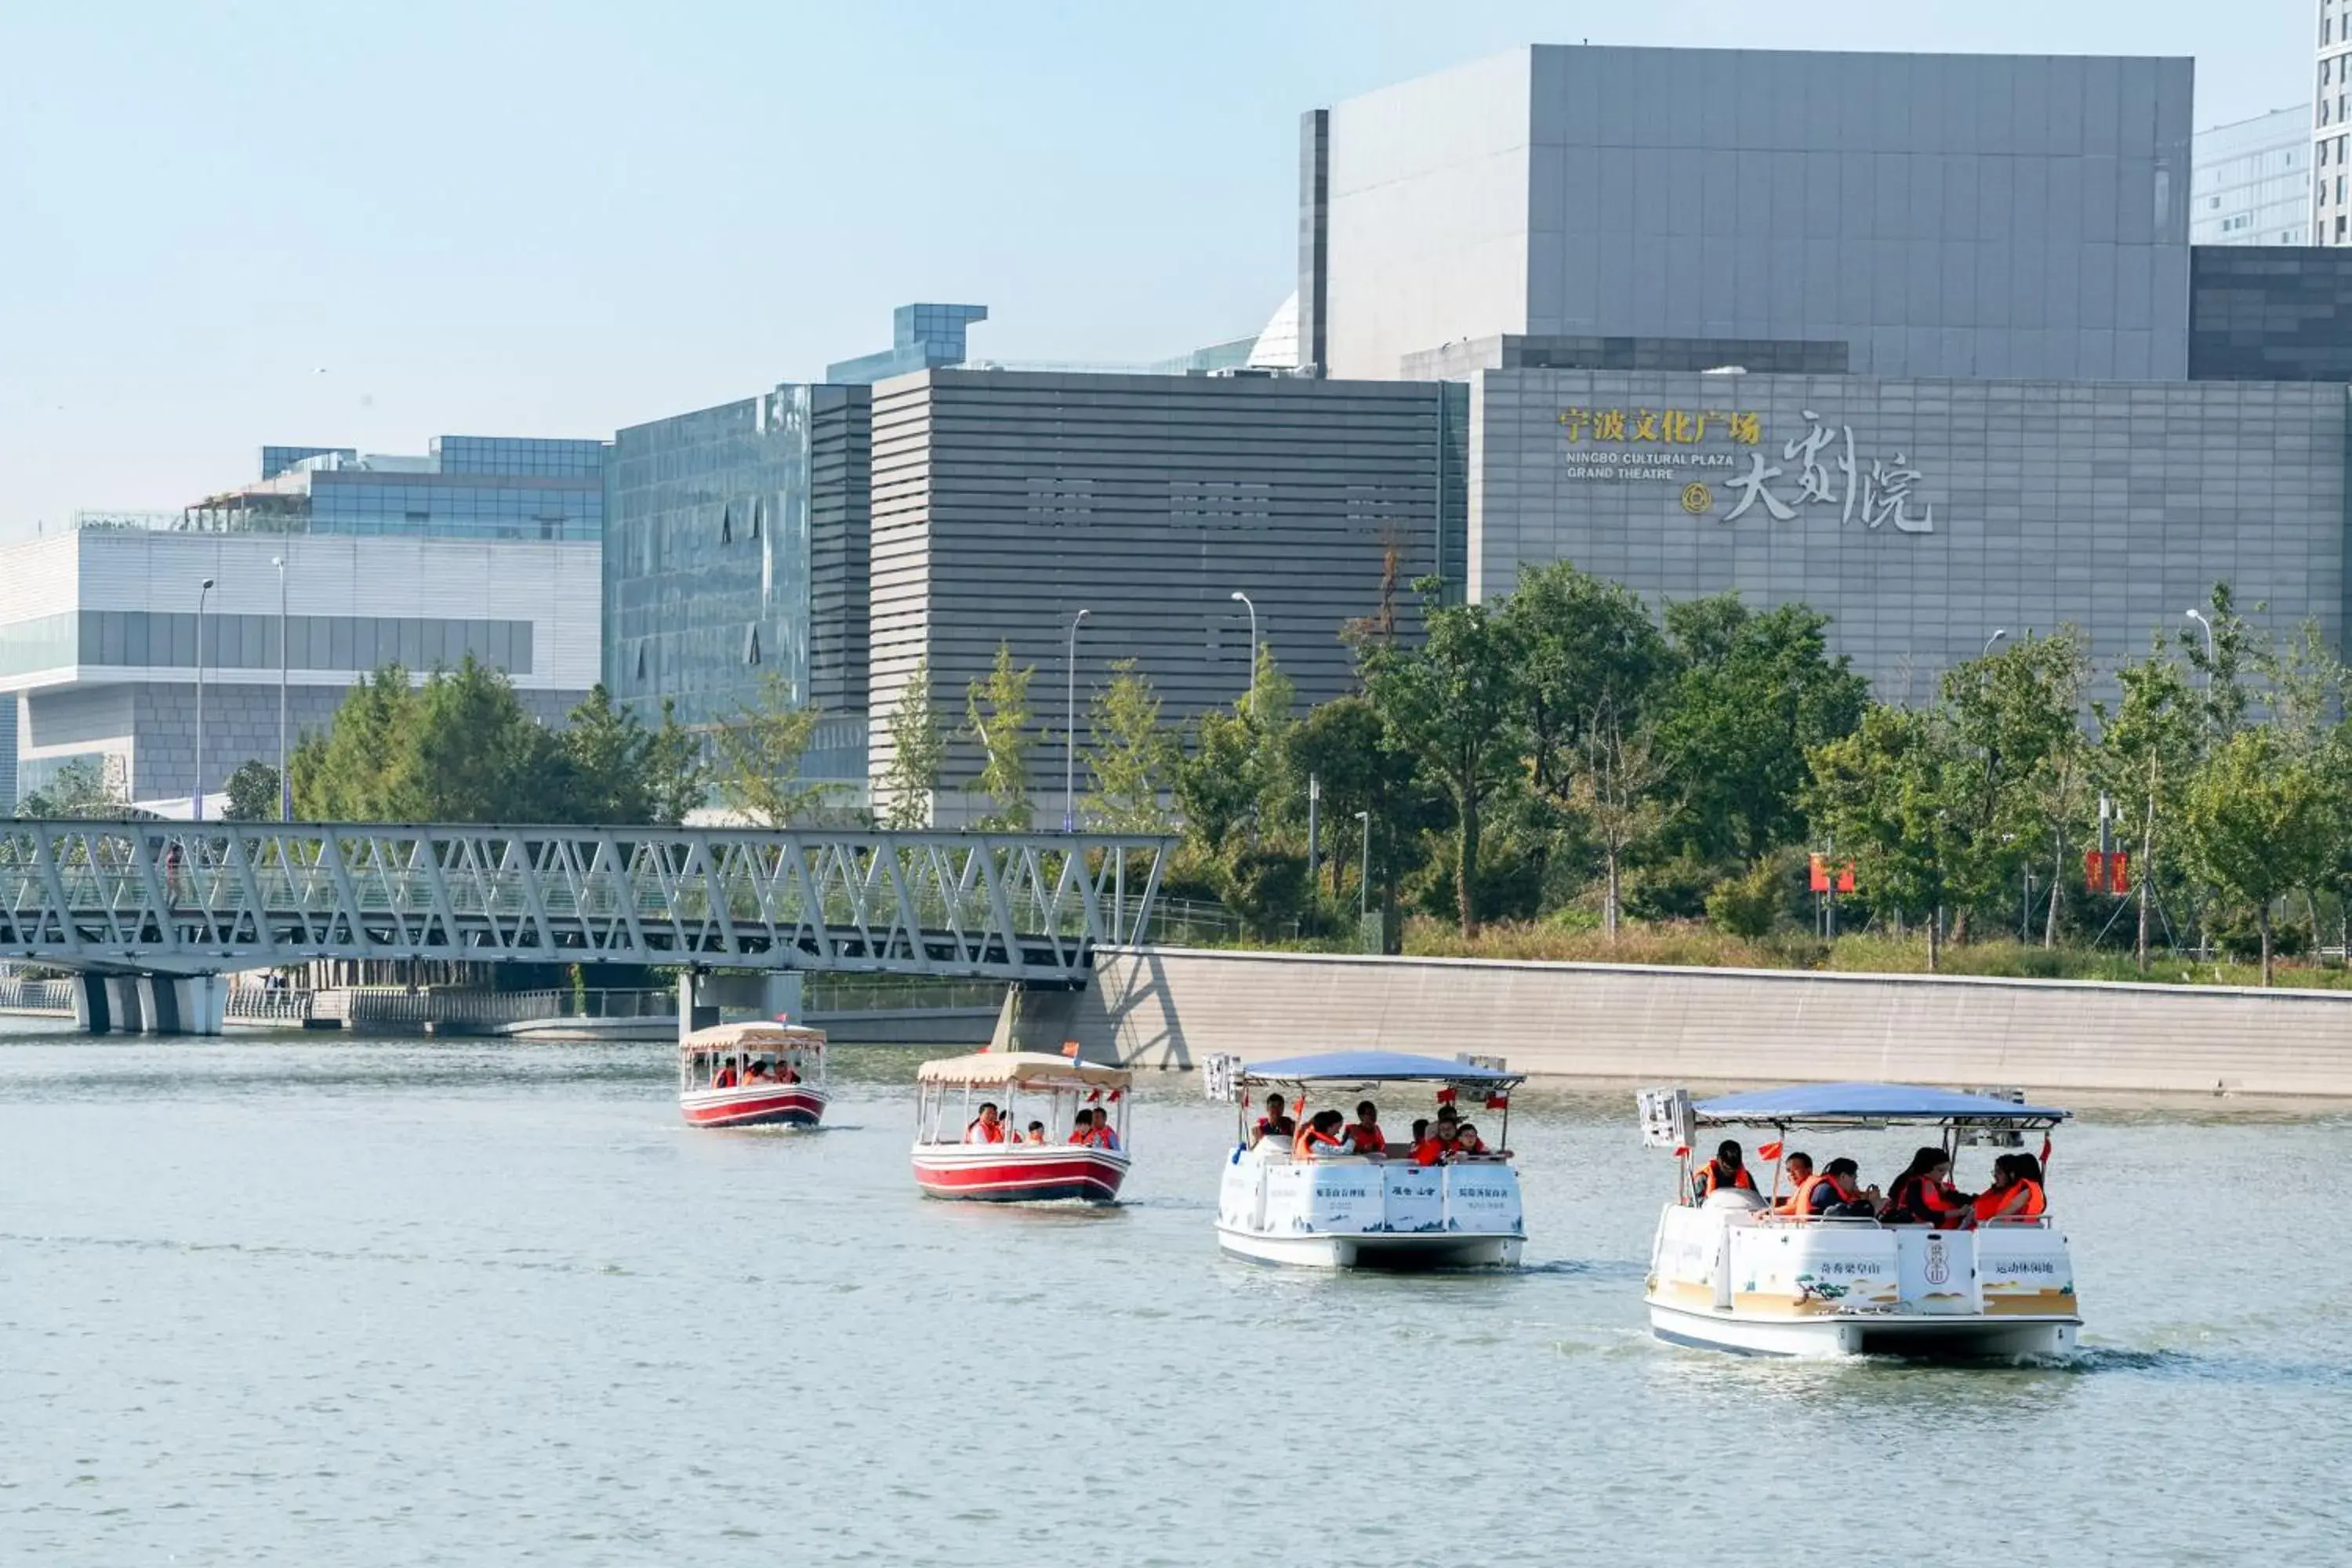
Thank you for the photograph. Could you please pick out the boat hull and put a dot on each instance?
(765, 1105)
(1939, 1335)
(1395, 1252)
(1019, 1174)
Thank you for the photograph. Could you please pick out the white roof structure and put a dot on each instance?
(1277, 343)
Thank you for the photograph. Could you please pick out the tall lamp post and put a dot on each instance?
(285, 785)
(1364, 875)
(2199, 617)
(1252, 607)
(196, 805)
(1996, 636)
(1070, 752)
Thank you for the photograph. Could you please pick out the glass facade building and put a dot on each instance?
(724, 529)
(922, 337)
(466, 487)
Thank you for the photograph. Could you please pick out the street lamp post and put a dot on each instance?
(1364, 875)
(1996, 636)
(196, 805)
(2199, 617)
(1252, 607)
(1070, 754)
(285, 785)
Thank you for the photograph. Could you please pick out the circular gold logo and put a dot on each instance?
(1697, 498)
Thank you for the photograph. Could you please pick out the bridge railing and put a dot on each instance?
(1010, 905)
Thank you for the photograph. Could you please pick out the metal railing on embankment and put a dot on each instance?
(43, 996)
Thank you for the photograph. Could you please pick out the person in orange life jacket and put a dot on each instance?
(985, 1128)
(1440, 1145)
(1924, 1194)
(2016, 1192)
(1366, 1134)
(787, 1073)
(1082, 1126)
(1837, 1194)
(1466, 1140)
(726, 1078)
(1319, 1137)
(1036, 1134)
(1800, 1168)
(1105, 1136)
(757, 1072)
(1727, 1169)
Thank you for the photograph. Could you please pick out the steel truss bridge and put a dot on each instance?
(194, 899)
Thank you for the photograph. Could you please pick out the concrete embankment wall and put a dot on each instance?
(1171, 1006)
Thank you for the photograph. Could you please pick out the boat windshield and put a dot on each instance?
(719, 1067)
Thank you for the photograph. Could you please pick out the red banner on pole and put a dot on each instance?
(1820, 872)
(2108, 873)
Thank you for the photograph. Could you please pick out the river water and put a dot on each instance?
(288, 1301)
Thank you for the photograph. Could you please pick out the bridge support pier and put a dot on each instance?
(1036, 1018)
(692, 1014)
(182, 1004)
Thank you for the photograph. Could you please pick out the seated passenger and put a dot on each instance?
(1036, 1134)
(787, 1073)
(1082, 1126)
(2016, 1192)
(1105, 1136)
(758, 1072)
(1467, 1141)
(726, 1078)
(1924, 1194)
(1366, 1134)
(1800, 1167)
(1439, 1146)
(1837, 1194)
(1274, 1114)
(985, 1128)
(1320, 1139)
(1727, 1169)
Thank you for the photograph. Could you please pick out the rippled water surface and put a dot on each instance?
(303, 1300)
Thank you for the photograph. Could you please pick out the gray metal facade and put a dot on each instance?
(1954, 216)
(1004, 503)
(1998, 504)
(2277, 313)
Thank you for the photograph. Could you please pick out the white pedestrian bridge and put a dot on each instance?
(175, 902)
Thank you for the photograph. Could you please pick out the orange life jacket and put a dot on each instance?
(1311, 1138)
(1428, 1152)
(1710, 1176)
(1369, 1138)
(1990, 1205)
(2035, 1203)
(726, 1078)
(988, 1135)
(1804, 1206)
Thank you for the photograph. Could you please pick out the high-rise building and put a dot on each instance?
(2331, 122)
(2249, 181)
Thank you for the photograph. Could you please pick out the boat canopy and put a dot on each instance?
(752, 1036)
(1844, 1104)
(1375, 1067)
(1023, 1070)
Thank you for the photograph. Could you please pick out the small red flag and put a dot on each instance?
(1498, 1101)
(1767, 1151)
(1446, 1097)
(1682, 1150)
(1818, 870)
(1070, 1049)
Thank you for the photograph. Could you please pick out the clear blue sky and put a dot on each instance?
(362, 224)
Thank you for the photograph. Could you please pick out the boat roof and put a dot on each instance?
(1845, 1103)
(758, 1035)
(1374, 1067)
(1023, 1068)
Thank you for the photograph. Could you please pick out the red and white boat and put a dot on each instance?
(1003, 1127)
(752, 1075)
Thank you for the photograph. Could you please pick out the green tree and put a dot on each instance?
(1455, 702)
(1891, 795)
(1589, 661)
(996, 713)
(2258, 820)
(363, 766)
(1747, 905)
(614, 770)
(1238, 786)
(758, 753)
(81, 787)
(918, 752)
(1754, 693)
(479, 755)
(1343, 746)
(2145, 750)
(2015, 716)
(253, 793)
(1129, 755)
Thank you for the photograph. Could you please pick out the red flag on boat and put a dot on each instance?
(1070, 1049)
(1445, 1096)
(1499, 1100)
(1682, 1150)
(1769, 1151)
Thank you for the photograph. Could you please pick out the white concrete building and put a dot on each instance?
(99, 631)
(2249, 181)
(2331, 126)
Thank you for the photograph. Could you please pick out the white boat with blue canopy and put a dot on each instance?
(1313, 1204)
(1830, 1268)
